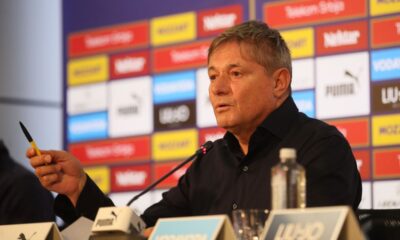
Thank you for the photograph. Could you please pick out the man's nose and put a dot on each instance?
(220, 85)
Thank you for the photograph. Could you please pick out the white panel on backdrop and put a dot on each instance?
(130, 107)
(303, 74)
(366, 198)
(205, 112)
(386, 194)
(87, 98)
(342, 85)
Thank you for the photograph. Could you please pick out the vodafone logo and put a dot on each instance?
(341, 38)
(130, 178)
(219, 21)
(129, 65)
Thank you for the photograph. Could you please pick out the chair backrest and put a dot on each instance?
(380, 223)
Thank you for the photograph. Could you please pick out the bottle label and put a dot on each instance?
(279, 190)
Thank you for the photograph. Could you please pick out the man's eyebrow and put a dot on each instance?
(229, 66)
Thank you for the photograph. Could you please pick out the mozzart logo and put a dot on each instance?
(380, 7)
(342, 80)
(101, 176)
(130, 107)
(386, 97)
(88, 70)
(173, 28)
(385, 64)
(174, 87)
(300, 42)
(386, 130)
(174, 144)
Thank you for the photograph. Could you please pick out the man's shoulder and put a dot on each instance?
(309, 130)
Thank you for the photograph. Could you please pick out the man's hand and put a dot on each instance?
(59, 171)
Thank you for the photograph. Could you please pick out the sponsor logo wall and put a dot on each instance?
(350, 58)
(137, 91)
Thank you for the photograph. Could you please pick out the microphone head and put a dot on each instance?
(205, 148)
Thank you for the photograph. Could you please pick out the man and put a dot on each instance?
(22, 199)
(250, 72)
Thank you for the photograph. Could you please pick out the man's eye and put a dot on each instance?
(236, 74)
(211, 77)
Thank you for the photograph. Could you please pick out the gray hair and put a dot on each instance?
(267, 46)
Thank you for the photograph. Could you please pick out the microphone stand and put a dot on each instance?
(200, 152)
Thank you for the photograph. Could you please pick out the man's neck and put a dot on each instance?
(244, 139)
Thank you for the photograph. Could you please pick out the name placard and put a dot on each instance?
(196, 228)
(312, 223)
(37, 231)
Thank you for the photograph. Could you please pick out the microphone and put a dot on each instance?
(198, 154)
(114, 221)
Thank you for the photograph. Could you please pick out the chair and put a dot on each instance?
(380, 223)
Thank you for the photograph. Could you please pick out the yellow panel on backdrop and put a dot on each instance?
(300, 42)
(379, 7)
(174, 144)
(173, 28)
(386, 130)
(101, 176)
(88, 70)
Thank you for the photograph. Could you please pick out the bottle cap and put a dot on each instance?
(286, 153)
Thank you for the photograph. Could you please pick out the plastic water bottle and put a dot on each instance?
(288, 182)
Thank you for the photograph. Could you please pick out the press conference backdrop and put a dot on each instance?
(136, 84)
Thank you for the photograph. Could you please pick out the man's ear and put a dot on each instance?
(282, 80)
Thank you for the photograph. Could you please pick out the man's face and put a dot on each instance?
(241, 91)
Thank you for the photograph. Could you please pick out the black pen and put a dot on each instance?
(30, 139)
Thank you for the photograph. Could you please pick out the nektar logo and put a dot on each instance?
(341, 38)
(219, 21)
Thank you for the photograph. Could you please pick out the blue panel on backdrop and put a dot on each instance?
(87, 127)
(385, 64)
(172, 87)
(305, 101)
